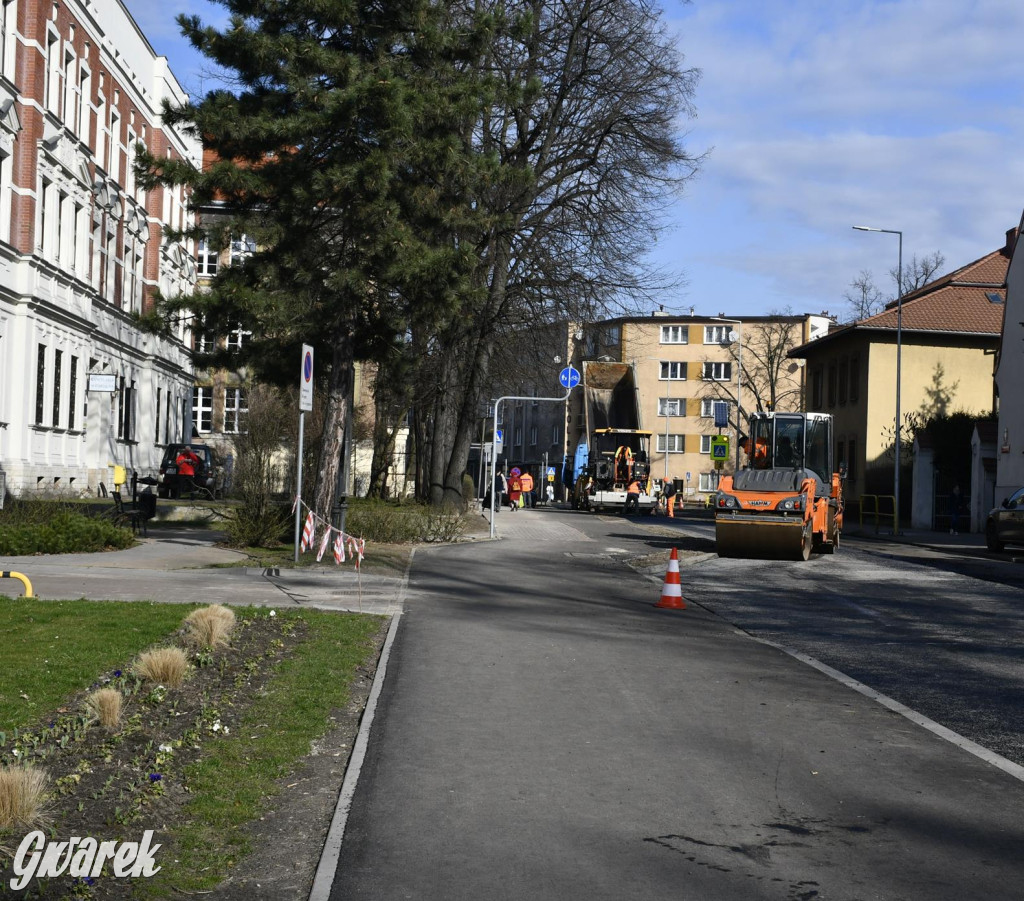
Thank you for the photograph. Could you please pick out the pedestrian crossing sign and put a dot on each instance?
(720, 448)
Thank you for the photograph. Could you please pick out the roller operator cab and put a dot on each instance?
(787, 500)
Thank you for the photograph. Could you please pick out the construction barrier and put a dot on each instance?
(24, 580)
(672, 591)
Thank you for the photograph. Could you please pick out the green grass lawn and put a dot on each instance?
(52, 649)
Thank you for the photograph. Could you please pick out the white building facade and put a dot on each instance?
(82, 249)
(1009, 378)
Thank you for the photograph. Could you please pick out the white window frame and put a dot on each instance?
(207, 259)
(202, 408)
(705, 443)
(235, 407)
(672, 371)
(723, 368)
(676, 444)
(707, 481)
(241, 249)
(675, 334)
(716, 334)
(237, 339)
(671, 406)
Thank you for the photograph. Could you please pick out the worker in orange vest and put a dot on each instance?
(633, 497)
(526, 483)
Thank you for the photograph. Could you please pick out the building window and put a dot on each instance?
(126, 414)
(205, 343)
(707, 481)
(674, 334)
(40, 382)
(517, 437)
(832, 384)
(854, 379)
(72, 392)
(707, 406)
(235, 410)
(202, 409)
(156, 419)
(817, 377)
(556, 434)
(675, 372)
(241, 249)
(237, 339)
(717, 372)
(716, 334)
(533, 436)
(207, 259)
(844, 379)
(671, 406)
(676, 444)
(58, 359)
(705, 444)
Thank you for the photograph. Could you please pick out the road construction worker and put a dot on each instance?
(633, 497)
(668, 492)
(623, 463)
(759, 459)
(526, 483)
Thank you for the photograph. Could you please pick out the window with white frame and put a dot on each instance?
(40, 382)
(707, 481)
(202, 408)
(671, 406)
(206, 343)
(556, 434)
(533, 436)
(238, 339)
(126, 412)
(707, 406)
(242, 248)
(675, 372)
(72, 391)
(717, 372)
(235, 410)
(716, 334)
(517, 437)
(208, 259)
(674, 334)
(705, 444)
(8, 39)
(672, 444)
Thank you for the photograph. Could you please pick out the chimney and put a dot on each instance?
(1011, 240)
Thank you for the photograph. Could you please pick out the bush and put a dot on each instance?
(65, 532)
(22, 791)
(386, 522)
(258, 525)
(105, 705)
(166, 666)
(443, 524)
(209, 627)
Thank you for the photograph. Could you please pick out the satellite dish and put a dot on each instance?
(734, 336)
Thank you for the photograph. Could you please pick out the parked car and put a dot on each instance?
(208, 478)
(1005, 524)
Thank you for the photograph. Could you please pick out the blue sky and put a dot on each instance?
(899, 114)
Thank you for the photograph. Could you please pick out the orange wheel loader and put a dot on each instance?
(788, 499)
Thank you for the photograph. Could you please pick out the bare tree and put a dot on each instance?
(584, 129)
(770, 379)
(863, 299)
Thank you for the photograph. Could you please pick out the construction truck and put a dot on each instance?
(788, 499)
(614, 450)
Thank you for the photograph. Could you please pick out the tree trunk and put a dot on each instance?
(336, 415)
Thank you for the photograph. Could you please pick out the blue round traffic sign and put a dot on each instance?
(569, 377)
(307, 366)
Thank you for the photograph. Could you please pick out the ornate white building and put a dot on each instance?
(82, 249)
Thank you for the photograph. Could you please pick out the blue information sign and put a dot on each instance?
(569, 377)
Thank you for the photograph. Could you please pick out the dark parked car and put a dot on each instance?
(1006, 523)
(208, 478)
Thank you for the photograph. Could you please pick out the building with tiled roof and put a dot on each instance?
(950, 331)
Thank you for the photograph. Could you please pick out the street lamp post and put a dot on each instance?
(899, 361)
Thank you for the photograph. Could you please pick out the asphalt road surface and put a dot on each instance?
(545, 733)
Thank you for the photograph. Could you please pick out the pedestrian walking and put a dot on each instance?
(498, 487)
(187, 462)
(515, 491)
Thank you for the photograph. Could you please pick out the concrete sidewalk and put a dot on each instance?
(186, 566)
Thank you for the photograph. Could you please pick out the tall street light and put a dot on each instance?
(899, 359)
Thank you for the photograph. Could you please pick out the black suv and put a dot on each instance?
(209, 480)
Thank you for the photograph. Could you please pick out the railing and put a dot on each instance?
(873, 503)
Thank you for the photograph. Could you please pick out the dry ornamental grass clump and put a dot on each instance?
(105, 704)
(209, 627)
(165, 666)
(21, 796)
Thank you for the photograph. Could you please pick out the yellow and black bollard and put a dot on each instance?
(24, 580)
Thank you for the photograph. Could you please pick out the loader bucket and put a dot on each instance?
(774, 538)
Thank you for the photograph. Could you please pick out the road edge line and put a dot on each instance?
(326, 869)
(971, 747)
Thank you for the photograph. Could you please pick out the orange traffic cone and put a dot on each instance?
(672, 591)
